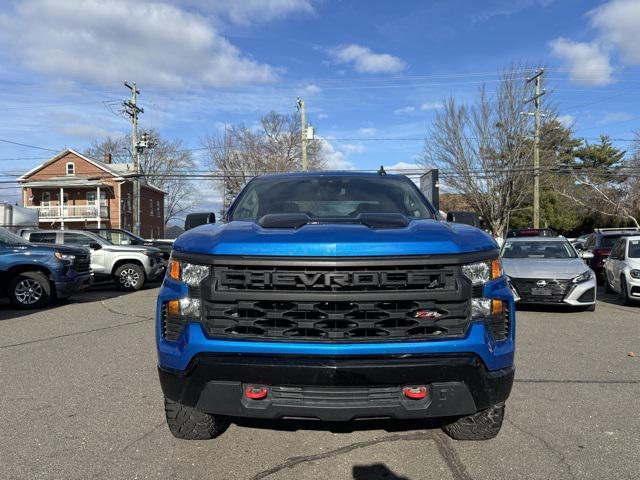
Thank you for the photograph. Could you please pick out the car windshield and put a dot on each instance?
(334, 197)
(119, 237)
(608, 241)
(634, 249)
(548, 249)
(9, 238)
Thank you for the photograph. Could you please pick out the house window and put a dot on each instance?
(71, 168)
(151, 207)
(158, 208)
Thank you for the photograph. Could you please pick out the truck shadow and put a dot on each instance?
(95, 293)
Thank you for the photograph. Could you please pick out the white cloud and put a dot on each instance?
(402, 166)
(367, 131)
(566, 121)
(350, 148)
(618, 22)
(322, 116)
(335, 160)
(364, 60)
(249, 11)
(588, 63)
(85, 131)
(430, 106)
(107, 42)
(404, 110)
(312, 89)
(615, 117)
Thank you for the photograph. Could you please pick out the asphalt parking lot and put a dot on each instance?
(80, 399)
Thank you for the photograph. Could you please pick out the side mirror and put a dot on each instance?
(586, 255)
(95, 246)
(196, 219)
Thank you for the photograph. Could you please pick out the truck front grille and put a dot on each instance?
(82, 263)
(335, 301)
(330, 320)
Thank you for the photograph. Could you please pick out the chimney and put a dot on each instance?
(107, 158)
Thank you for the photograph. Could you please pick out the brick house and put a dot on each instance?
(71, 190)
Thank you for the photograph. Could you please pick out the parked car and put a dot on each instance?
(600, 243)
(118, 236)
(622, 269)
(531, 232)
(128, 265)
(548, 270)
(33, 275)
(578, 243)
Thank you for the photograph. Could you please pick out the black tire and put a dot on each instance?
(600, 279)
(624, 292)
(483, 425)
(29, 290)
(129, 277)
(187, 423)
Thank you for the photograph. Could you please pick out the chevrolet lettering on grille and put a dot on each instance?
(309, 280)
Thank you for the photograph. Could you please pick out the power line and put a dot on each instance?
(27, 145)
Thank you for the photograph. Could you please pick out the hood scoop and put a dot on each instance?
(297, 220)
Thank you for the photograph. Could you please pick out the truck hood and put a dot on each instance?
(130, 249)
(420, 237)
(47, 247)
(558, 268)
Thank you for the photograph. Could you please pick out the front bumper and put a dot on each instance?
(581, 294)
(633, 285)
(337, 387)
(69, 286)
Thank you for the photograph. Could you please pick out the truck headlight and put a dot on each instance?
(635, 274)
(583, 277)
(189, 273)
(65, 257)
(482, 272)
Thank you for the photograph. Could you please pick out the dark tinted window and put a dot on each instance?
(42, 237)
(78, 239)
(551, 249)
(608, 241)
(330, 197)
(634, 249)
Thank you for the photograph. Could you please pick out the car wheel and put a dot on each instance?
(624, 292)
(186, 423)
(482, 425)
(29, 290)
(129, 277)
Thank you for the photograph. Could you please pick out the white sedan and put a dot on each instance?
(622, 269)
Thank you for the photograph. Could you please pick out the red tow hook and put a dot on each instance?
(415, 393)
(256, 393)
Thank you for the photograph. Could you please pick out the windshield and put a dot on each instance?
(119, 237)
(335, 197)
(550, 249)
(9, 238)
(634, 249)
(608, 241)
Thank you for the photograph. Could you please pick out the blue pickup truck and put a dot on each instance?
(33, 275)
(335, 296)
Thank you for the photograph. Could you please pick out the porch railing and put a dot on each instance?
(71, 211)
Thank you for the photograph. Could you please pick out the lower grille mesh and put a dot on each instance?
(307, 320)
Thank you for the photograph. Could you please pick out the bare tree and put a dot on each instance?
(163, 165)
(274, 145)
(484, 151)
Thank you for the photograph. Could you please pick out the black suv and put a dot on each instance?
(600, 243)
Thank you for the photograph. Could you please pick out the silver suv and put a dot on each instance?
(129, 265)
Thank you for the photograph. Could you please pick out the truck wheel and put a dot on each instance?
(129, 277)
(482, 425)
(187, 423)
(29, 290)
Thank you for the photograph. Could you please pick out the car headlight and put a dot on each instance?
(189, 273)
(635, 274)
(64, 257)
(583, 277)
(482, 272)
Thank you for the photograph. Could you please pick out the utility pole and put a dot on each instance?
(537, 78)
(303, 134)
(131, 108)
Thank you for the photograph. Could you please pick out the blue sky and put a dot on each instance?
(373, 73)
